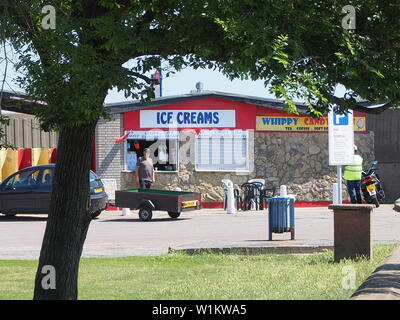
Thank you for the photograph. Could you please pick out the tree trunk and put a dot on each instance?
(69, 215)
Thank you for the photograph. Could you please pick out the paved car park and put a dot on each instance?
(113, 235)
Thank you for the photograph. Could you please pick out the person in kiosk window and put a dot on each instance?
(352, 175)
(145, 170)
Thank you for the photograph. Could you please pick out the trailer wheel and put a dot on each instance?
(145, 213)
(174, 215)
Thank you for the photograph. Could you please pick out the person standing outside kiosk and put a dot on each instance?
(145, 170)
(352, 175)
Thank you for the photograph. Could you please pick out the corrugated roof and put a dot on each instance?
(162, 101)
(18, 102)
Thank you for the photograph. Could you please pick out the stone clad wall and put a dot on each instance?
(298, 160)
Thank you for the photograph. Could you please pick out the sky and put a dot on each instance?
(185, 81)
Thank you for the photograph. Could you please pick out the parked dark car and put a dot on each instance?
(29, 191)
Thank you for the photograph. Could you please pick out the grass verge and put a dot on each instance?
(204, 276)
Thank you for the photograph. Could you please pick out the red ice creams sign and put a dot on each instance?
(187, 119)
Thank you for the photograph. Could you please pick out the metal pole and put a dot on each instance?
(339, 180)
(161, 80)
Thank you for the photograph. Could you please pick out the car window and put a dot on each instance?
(47, 177)
(92, 176)
(24, 179)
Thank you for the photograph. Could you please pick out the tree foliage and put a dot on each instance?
(301, 49)
(298, 47)
(85, 54)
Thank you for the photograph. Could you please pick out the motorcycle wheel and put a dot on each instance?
(375, 201)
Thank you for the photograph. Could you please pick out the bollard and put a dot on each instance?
(230, 205)
(352, 231)
(229, 199)
(283, 191)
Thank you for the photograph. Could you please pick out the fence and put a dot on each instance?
(24, 132)
(387, 150)
(33, 145)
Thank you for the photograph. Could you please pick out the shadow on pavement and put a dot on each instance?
(385, 280)
(272, 241)
(138, 220)
(18, 218)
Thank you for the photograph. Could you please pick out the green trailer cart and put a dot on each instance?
(149, 200)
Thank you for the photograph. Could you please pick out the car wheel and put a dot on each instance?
(174, 215)
(145, 213)
(96, 214)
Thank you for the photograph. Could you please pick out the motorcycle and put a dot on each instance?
(371, 185)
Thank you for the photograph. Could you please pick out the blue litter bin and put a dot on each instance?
(281, 215)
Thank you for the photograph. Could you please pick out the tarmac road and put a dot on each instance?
(113, 235)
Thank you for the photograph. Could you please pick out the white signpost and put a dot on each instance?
(341, 143)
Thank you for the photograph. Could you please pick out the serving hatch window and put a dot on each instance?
(222, 150)
(163, 147)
